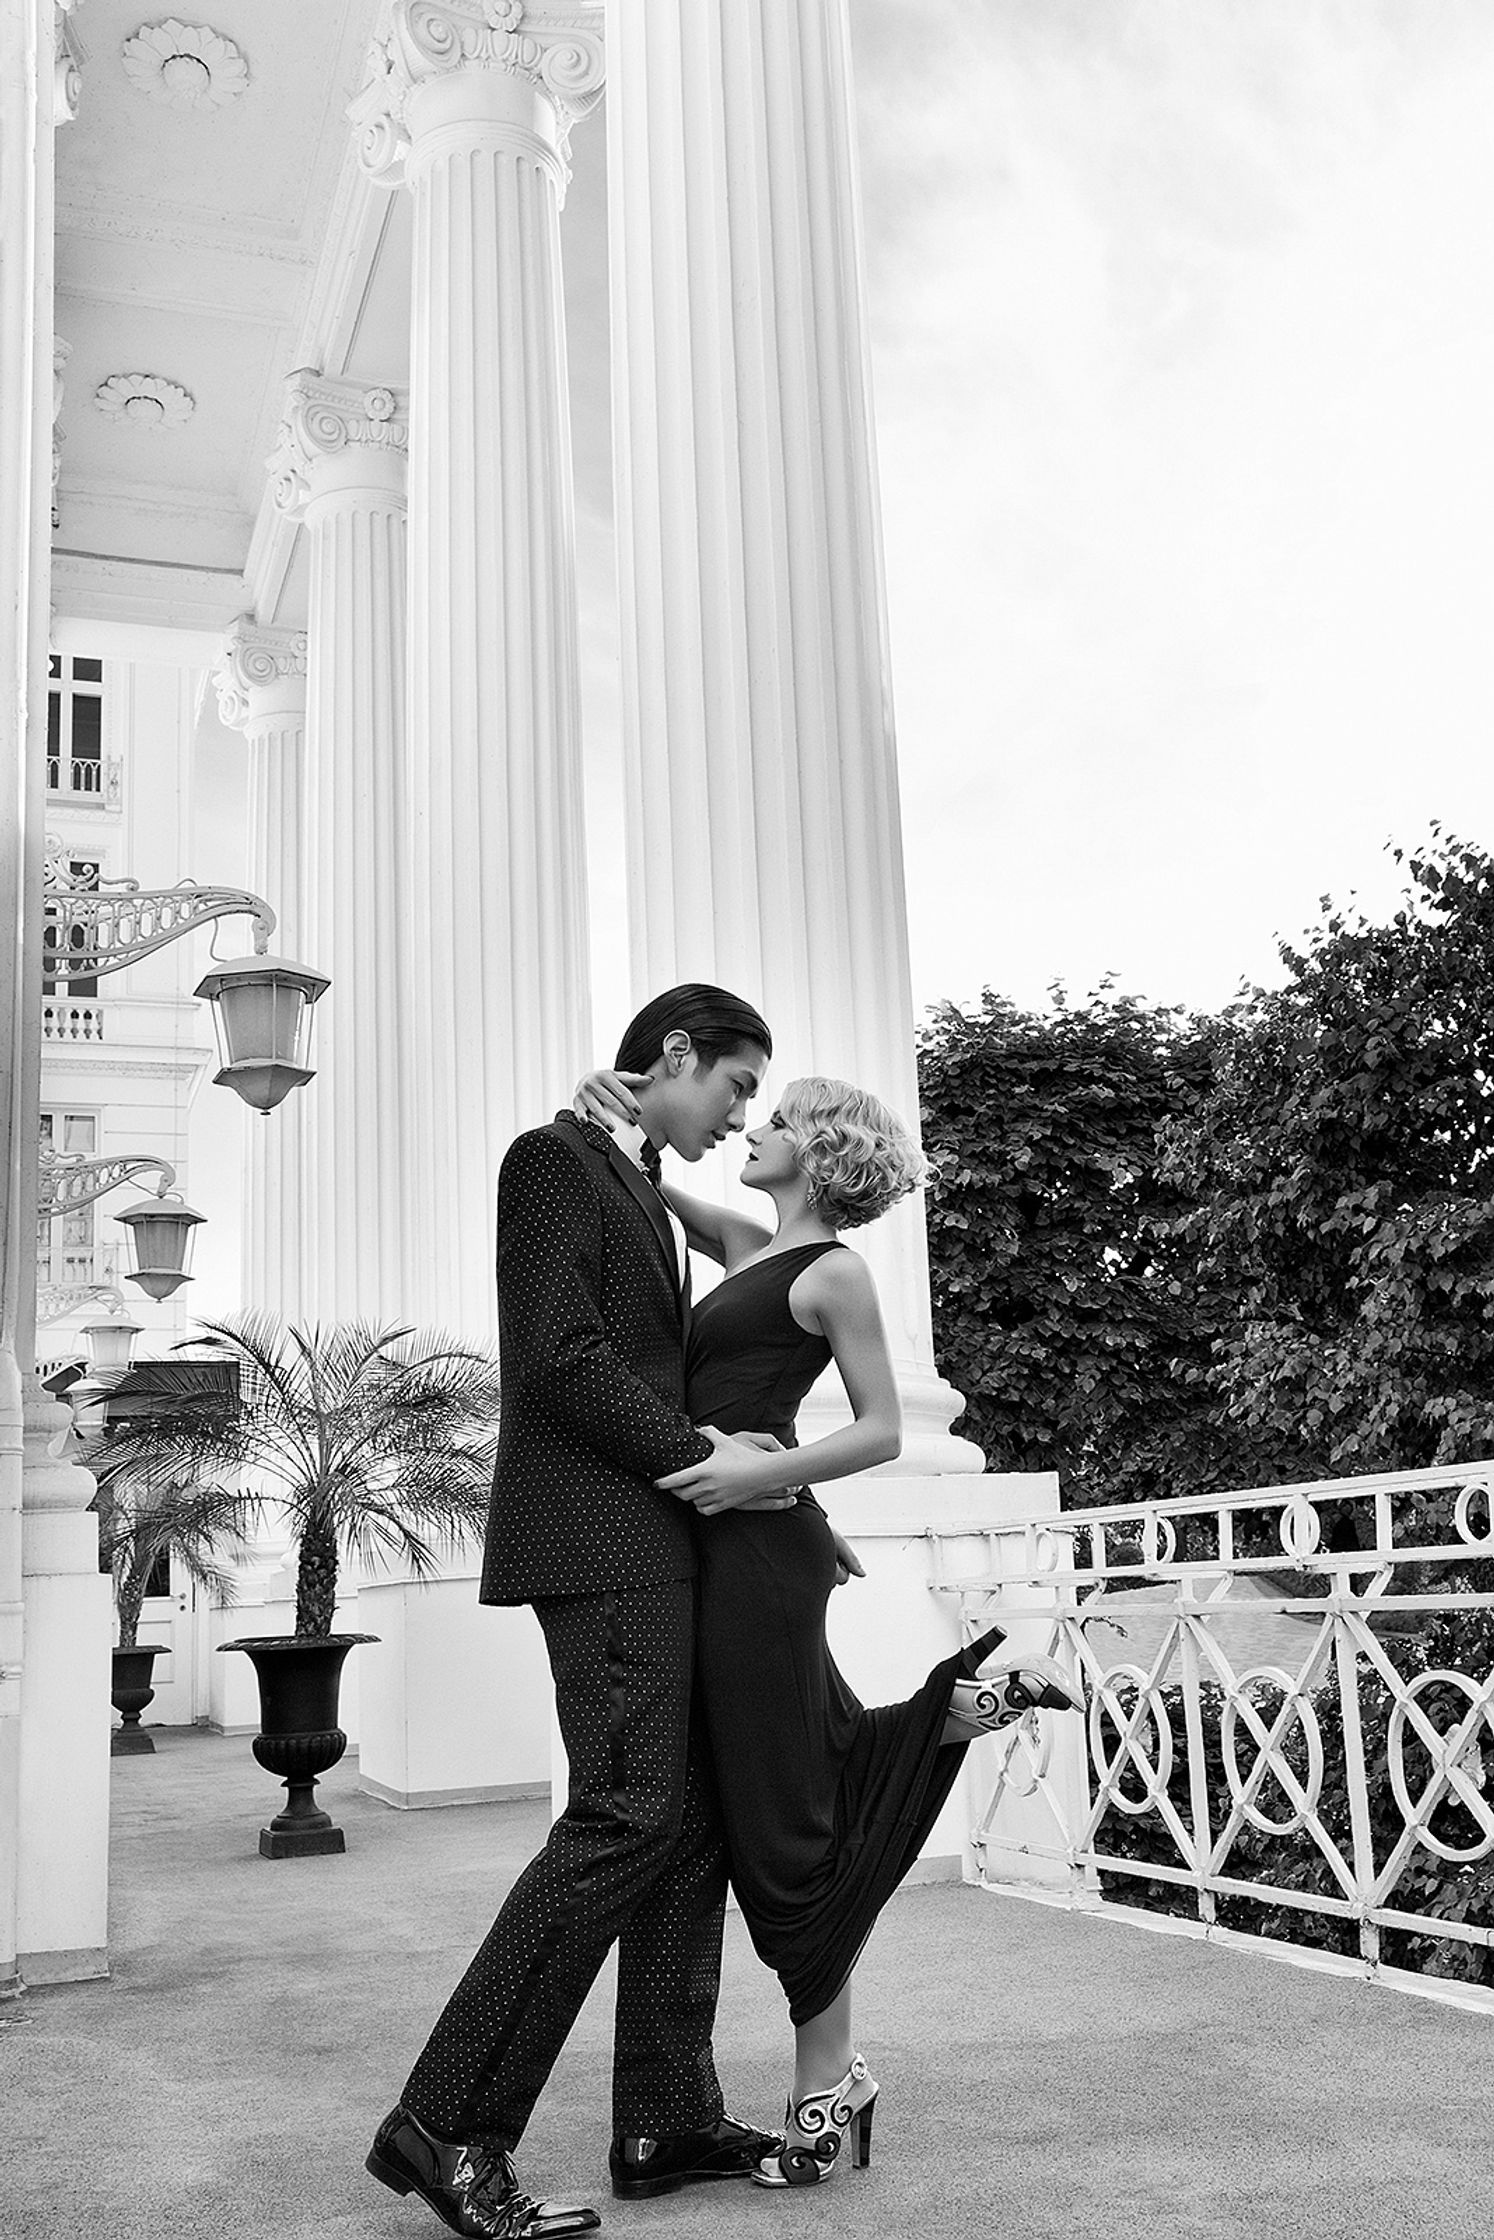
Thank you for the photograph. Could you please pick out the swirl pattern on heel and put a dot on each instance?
(1004, 1693)
(816, 2129)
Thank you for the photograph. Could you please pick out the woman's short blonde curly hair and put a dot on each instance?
(858, 1156)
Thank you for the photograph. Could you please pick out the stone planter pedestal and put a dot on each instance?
(299, 1737)
(130, 1691)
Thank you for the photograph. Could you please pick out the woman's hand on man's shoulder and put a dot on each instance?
(606, 1096)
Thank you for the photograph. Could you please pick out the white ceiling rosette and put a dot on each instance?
(185, 65)
(144, 400)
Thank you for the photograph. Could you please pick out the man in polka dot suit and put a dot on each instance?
(593, 1307)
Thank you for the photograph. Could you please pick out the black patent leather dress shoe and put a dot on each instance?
(725, 2149)
(472, 2188)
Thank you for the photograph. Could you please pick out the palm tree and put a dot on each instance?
(143, 1517)
(380, 1441)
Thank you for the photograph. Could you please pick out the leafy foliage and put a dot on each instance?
(144, 1516)
(379, 1440)
(1171, 1253)
(1339, 1173)
(1064, 1309)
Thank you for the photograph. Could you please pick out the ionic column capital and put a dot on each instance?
(550, 49)
(261, 675)
(67, 66)
(338, 435)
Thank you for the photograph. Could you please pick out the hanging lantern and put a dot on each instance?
(260, 1005)
(110, 1343)
(162, 1232)
(89, 1400)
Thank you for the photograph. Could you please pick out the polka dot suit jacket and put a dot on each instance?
(591, 1359)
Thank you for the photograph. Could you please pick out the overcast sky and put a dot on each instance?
(1183, 323)
(1182, 316)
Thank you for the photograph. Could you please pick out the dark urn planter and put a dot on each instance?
(299, 1736)
(129, 1692)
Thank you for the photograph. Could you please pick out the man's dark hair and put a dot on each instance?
(716, 1022)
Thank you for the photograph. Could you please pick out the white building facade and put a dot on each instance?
(123, 1057)
(315, 560)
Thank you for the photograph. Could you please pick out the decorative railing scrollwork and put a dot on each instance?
(1290, 1702)
(95, 926)
(55, 1300)
(70, 1179)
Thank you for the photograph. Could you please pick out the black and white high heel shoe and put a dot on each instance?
(1004, 1692)
(816, 2129)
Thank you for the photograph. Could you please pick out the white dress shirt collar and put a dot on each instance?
(630, 1139)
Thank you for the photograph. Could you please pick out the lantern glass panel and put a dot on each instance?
(162, 1240)
(110, 1343)
(260, 1021)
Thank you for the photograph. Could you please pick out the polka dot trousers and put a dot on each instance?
(636, 1859)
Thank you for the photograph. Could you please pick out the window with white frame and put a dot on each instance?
(75, 726)
(67, 1248)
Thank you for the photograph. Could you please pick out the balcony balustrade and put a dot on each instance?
(89, 780)
(1290, 1717)
(72, 1019)
(77, 1271)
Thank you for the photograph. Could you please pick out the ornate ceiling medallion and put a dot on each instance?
(185, 65)
(144, 401)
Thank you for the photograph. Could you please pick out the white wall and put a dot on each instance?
(182, 815)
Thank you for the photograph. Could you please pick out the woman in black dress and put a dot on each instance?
(826, 1803)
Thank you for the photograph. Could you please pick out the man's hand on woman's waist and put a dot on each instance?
(732, 1477)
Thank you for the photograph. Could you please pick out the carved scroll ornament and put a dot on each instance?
(557, 48)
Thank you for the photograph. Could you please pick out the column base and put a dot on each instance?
(85, 1964)
(62, 1801)
(930, 1448)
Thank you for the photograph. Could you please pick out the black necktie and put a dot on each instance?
(651, 1160)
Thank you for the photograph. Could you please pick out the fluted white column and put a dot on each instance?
(764, 844)
(261, 681)
(471, 106)
(54, 1603)
(341, 465)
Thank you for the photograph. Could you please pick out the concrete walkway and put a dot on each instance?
(1044, 2075)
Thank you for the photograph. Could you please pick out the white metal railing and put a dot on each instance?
(72, 1019)
(82, 1267)
(1349, 1777)
(92, 778)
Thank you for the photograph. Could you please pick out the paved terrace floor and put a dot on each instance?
(1045, 2076)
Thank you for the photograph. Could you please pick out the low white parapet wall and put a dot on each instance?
(455, 1698)
(887, 1629)
(456, 1703)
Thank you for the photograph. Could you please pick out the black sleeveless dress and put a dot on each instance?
(826, 1804)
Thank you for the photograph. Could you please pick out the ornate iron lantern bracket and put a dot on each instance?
(70, 1179)
(55, 1300)
(100, 927)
